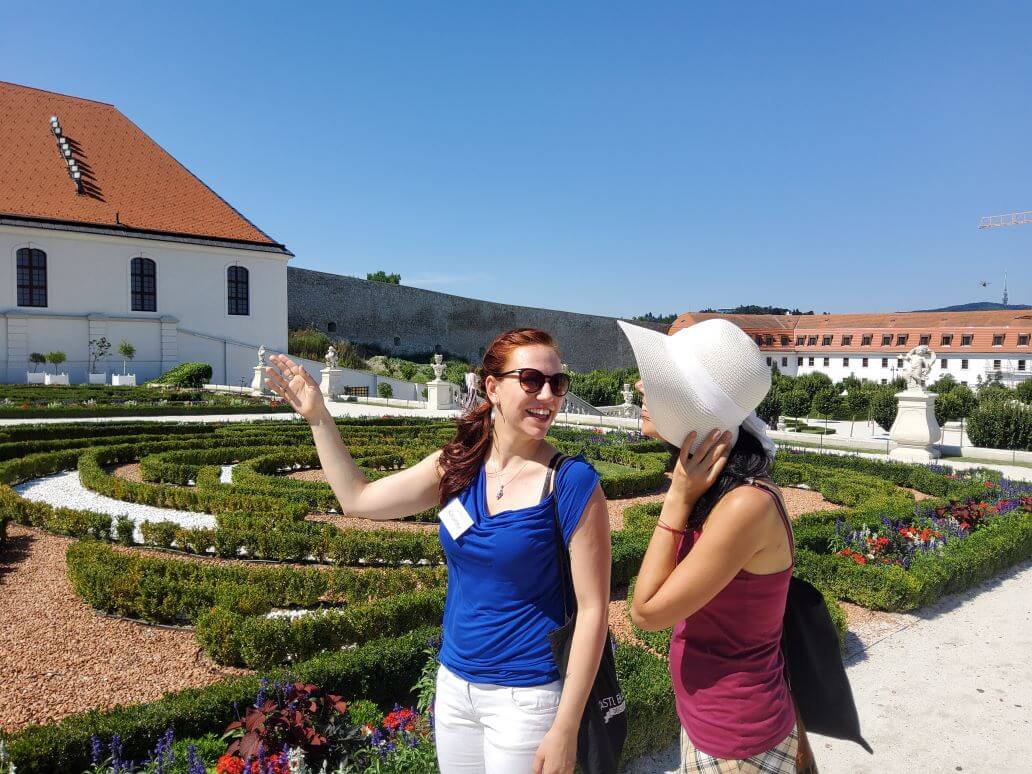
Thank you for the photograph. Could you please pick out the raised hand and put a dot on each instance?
(696, 472)
(296, 386)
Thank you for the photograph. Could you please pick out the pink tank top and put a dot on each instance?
(727, 667)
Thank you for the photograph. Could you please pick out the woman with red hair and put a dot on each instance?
(501, 704)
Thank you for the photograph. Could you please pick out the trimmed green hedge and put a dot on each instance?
(185, 375)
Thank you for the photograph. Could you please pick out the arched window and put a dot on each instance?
(238, 290)
(32, 277)
(144, 278)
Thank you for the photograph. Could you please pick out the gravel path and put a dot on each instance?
(64, 490)
(59, 657)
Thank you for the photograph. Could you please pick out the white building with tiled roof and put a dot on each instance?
(968, 345)
(105, 234)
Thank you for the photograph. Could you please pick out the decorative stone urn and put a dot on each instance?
(439, 393)
(332, 382)
(916, 430)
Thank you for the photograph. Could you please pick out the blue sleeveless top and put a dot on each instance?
(504, 594)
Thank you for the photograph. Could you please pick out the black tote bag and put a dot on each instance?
(603, 726)
(813, 663)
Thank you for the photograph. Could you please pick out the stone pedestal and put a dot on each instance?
(440, 394)
(258, 381)
(915, 430)
(332, 382)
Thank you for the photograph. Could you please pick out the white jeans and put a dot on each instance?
(490, 729)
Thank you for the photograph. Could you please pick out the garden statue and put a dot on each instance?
(437, 363)
(628, 394)
(261, 355)
(916, 430)
(332, 361)
(917, 367)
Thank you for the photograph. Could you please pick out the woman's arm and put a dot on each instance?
(590, 562)
(401, 494)
(666, 592)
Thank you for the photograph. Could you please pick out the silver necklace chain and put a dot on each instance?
(501, 486)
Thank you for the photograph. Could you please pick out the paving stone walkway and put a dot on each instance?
(949, 689)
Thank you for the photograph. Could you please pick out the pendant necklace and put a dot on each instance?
(501, 486)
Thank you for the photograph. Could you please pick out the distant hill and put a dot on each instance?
(977, 306)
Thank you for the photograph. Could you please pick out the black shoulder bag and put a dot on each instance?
(813, 661)
(603, 727)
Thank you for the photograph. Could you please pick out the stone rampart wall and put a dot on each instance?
(406, 320)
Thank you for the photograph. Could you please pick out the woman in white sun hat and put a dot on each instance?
(719, 562)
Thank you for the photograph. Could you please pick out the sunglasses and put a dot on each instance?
(533, 381)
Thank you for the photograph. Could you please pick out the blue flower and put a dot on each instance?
(96, 749)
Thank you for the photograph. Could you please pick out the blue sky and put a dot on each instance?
(597, 157)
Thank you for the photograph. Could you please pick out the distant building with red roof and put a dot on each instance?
(968, 345)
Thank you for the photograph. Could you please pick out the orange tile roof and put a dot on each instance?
(129, 181)
(981, 326)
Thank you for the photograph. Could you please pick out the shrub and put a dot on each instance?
(185, 375)
(37, 359)
(826, 402)
(1024, 391)
(56, 358)
(127, 351)
(308, 343)
(1001, 424)
(384, 390)
(884, 407)
(795, 403)
(954, 404)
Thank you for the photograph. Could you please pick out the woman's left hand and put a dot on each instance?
(696, 472)
(557, 752)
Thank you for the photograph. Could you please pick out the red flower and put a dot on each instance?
(229, 764)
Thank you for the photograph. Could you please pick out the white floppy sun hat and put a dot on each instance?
(707, 376)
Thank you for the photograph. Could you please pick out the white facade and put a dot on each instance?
(88, 296)
(1012, 366)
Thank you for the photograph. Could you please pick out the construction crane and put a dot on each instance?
(1010, 219)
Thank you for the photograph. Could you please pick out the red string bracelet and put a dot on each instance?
(661, 525)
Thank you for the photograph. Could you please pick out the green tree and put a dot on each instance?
(127, 351)
(1024, 391)
(813, 383)
(37, 359)
(382, 276)
(945, 383)
(884, 406)
(825, 403)
(56, 358)
(770, 408)
(795, 403)
(384, 390)
(955, 404)
(98, 351)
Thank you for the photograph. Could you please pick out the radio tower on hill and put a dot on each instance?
(1011, 219)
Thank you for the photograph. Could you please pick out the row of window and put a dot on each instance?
(865, 362)
(867, 339)
(143, 283)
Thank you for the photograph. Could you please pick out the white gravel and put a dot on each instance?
(227, 474)
(63, 490)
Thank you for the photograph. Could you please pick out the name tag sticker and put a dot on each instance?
(455, 519)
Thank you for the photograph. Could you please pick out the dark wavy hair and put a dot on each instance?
(748, 459)
(461, 459)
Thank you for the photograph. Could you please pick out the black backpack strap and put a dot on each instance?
(562, 551)
(553, 466)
